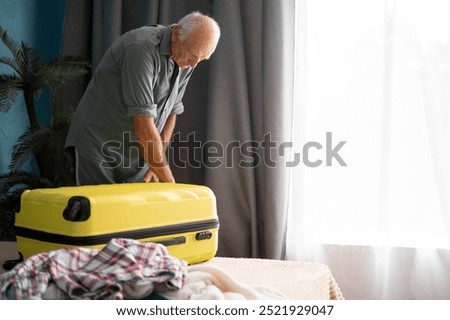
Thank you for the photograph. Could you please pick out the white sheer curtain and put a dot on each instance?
(375, 74)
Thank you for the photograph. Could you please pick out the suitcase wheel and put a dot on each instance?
(9, 264)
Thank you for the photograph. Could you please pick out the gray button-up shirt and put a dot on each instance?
(133, 78)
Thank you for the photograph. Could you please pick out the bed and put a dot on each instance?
(241, 278)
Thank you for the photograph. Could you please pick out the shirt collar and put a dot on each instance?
(165, 45)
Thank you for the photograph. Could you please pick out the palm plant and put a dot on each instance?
(30, 75)
(46, 144)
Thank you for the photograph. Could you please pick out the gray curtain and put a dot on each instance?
(238, 107)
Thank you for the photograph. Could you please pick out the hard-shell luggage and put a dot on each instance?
(183, 217)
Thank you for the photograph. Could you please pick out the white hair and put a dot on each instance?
(195, 20)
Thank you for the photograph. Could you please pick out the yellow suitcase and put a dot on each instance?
(183, 217)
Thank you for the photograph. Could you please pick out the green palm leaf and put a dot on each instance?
(32, 142)
(9, 181)
(58, 71)
(15, 47)
(10, 62)
(9, 87)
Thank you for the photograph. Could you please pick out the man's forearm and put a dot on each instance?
(152, 148)
(166, 134)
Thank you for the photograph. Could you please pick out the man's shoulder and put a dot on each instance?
(149, 36)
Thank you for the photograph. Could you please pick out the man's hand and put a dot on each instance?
(152, 149)
(150, 176)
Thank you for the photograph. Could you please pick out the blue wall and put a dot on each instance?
(39, 23)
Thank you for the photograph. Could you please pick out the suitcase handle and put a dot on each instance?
(78, 209)
(172, 242)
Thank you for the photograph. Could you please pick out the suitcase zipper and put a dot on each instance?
(104, 238)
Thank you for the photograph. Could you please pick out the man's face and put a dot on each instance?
(197, 46)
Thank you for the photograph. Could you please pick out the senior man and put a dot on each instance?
(125, 119)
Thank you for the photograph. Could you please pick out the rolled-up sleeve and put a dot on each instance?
(137, 81)
(178, 108)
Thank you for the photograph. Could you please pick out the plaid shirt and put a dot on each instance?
(123, 269)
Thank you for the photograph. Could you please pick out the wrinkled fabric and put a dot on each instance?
(213, 283)
(123, 269)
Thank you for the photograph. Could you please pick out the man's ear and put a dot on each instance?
(176, 31)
